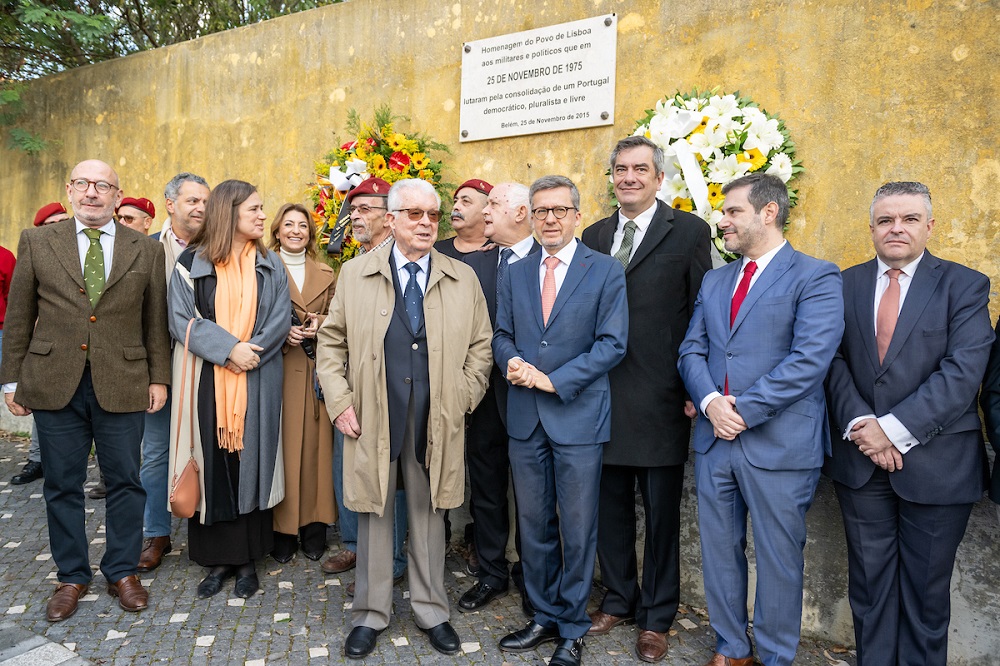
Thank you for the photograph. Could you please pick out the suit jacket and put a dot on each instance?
(928, 380)
(485, 266)
(776, 355)
(51, 328)
(648, 425)
(989, 400)
(586, 336)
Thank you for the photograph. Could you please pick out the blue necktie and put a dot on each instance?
(502, 268)
(413, 298)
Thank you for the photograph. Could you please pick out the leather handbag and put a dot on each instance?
(185, 488)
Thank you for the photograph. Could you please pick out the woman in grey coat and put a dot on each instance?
(229, 299)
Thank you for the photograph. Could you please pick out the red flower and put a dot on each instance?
(371, 142)
(349, 146)
(399, 162)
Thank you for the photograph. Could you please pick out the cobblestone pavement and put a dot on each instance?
(301, 616)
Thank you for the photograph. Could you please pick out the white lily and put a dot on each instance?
(781, 166)
(674, 187)
(351, 176)
(663, 128)
(705, 143)
(725, 169)
(764, 136)
(722, 107)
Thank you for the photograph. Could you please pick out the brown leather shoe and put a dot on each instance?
(153, 550)
(651, 646)
(602, 622)
(723, 660)
(63, 602)
(132, 596)
(339, 562)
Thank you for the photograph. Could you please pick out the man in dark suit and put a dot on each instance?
(989, 400)
(759, 345)
(665, 253)
(562, 324)
(908, 460)
(508, 226)
(87, 345)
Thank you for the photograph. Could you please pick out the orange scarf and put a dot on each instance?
(235, 311)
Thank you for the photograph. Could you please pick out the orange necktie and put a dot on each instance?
(888, 313)
(549, 288)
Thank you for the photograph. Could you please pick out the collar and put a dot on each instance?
(642, 220)
(564, 255)
(108, 228)
(424, 262)
(522, 248)
(908, 270)
(763, 260)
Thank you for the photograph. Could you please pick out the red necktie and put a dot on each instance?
(888, 313)
(549, 288)
(741, 293)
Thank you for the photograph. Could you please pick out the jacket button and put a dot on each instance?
(414, 346)
(879, 383)
(384, 312)
(83, 347)
(729, 354)
(771, 413)
(93, 318)
(407, 380)
(83, 291)
(544, 343)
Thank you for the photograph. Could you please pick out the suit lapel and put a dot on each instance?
(606, 235)
(864, 311)
(578, 268)
(65, 249)
(124, 254)
(922, 287)
(775, 269)
(531, 265)
(657, 230)
(316, 282)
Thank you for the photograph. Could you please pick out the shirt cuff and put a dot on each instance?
(707, 400)
(854, 422)
(897, 433)
(10, 388)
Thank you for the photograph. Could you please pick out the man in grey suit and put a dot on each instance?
(761, 338)
(908, 461)
(87, 345)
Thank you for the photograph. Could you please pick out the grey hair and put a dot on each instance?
(553, 183)
(416, 184)
(764, 189)
(901, 187)
(629, 142)
(174, 186)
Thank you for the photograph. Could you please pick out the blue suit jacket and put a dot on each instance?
(776, 356)
(585, 338)
(928, 380)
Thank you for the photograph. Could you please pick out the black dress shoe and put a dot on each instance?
(360, 642)
(478, 596)
(314, 555)
(528, 638)
(285, 546)
(212, 583)
(32, 471)
(569, 652)
(247, 586)
(444, 639)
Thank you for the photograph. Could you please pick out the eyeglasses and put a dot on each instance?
(364, 209)
(102, 186)
(416, 214)
(559, 211)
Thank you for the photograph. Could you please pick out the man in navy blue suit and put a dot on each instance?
(562, 324)
(908, 459)
(761, 339)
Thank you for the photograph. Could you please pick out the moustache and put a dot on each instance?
(457, 215)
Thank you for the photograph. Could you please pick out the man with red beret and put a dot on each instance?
(136, 214)
(467, 220)
(50, 213)
(366, 204)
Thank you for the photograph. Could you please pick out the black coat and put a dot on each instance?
(989, 400)
(648, 426)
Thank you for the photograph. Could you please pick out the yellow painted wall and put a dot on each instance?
(871, 91)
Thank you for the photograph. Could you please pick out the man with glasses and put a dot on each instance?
(88, 348)
(136, 214)
(562, 324)
(408, 327)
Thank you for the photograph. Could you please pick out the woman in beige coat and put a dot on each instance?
(307, 434)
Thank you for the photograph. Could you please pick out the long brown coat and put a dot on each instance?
(307, 434)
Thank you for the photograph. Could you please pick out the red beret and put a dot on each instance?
(47, 211)
(476, 184)
(371, 187)
(145, 205)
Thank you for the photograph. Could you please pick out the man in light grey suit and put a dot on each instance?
(908, 461)
(761, 338)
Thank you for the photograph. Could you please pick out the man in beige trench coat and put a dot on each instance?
(403, 357)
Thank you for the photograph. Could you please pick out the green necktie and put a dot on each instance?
(625, 251)
(93, 266)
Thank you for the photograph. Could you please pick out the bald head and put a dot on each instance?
(92, 206)
(506, 214)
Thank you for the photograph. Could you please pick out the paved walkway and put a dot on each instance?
(301, 616)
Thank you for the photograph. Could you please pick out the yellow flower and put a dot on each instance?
(425, 174)
(700, 128)
(683, 204)
(377, 163)
(410, 146)
(754, 157)
(360, 151)
(715, 195)
(419, 161)
(396, 141)
(387, 129)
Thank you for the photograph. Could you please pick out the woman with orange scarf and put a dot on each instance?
(229, 314)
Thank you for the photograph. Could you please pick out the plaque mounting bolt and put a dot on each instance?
(607, 21)
(468, 49)
(465, 134)
(604, 115)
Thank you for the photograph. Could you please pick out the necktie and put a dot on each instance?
(625, 251)
(888, 313)
(549, 288)
(741, 290)
(502, 268)
(93, 266)
(413, 298)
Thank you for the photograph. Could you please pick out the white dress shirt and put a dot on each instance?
(642, 222)
(521, 249)
(107, 244)
(565, 256)
(403, 275)
(893, 428)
